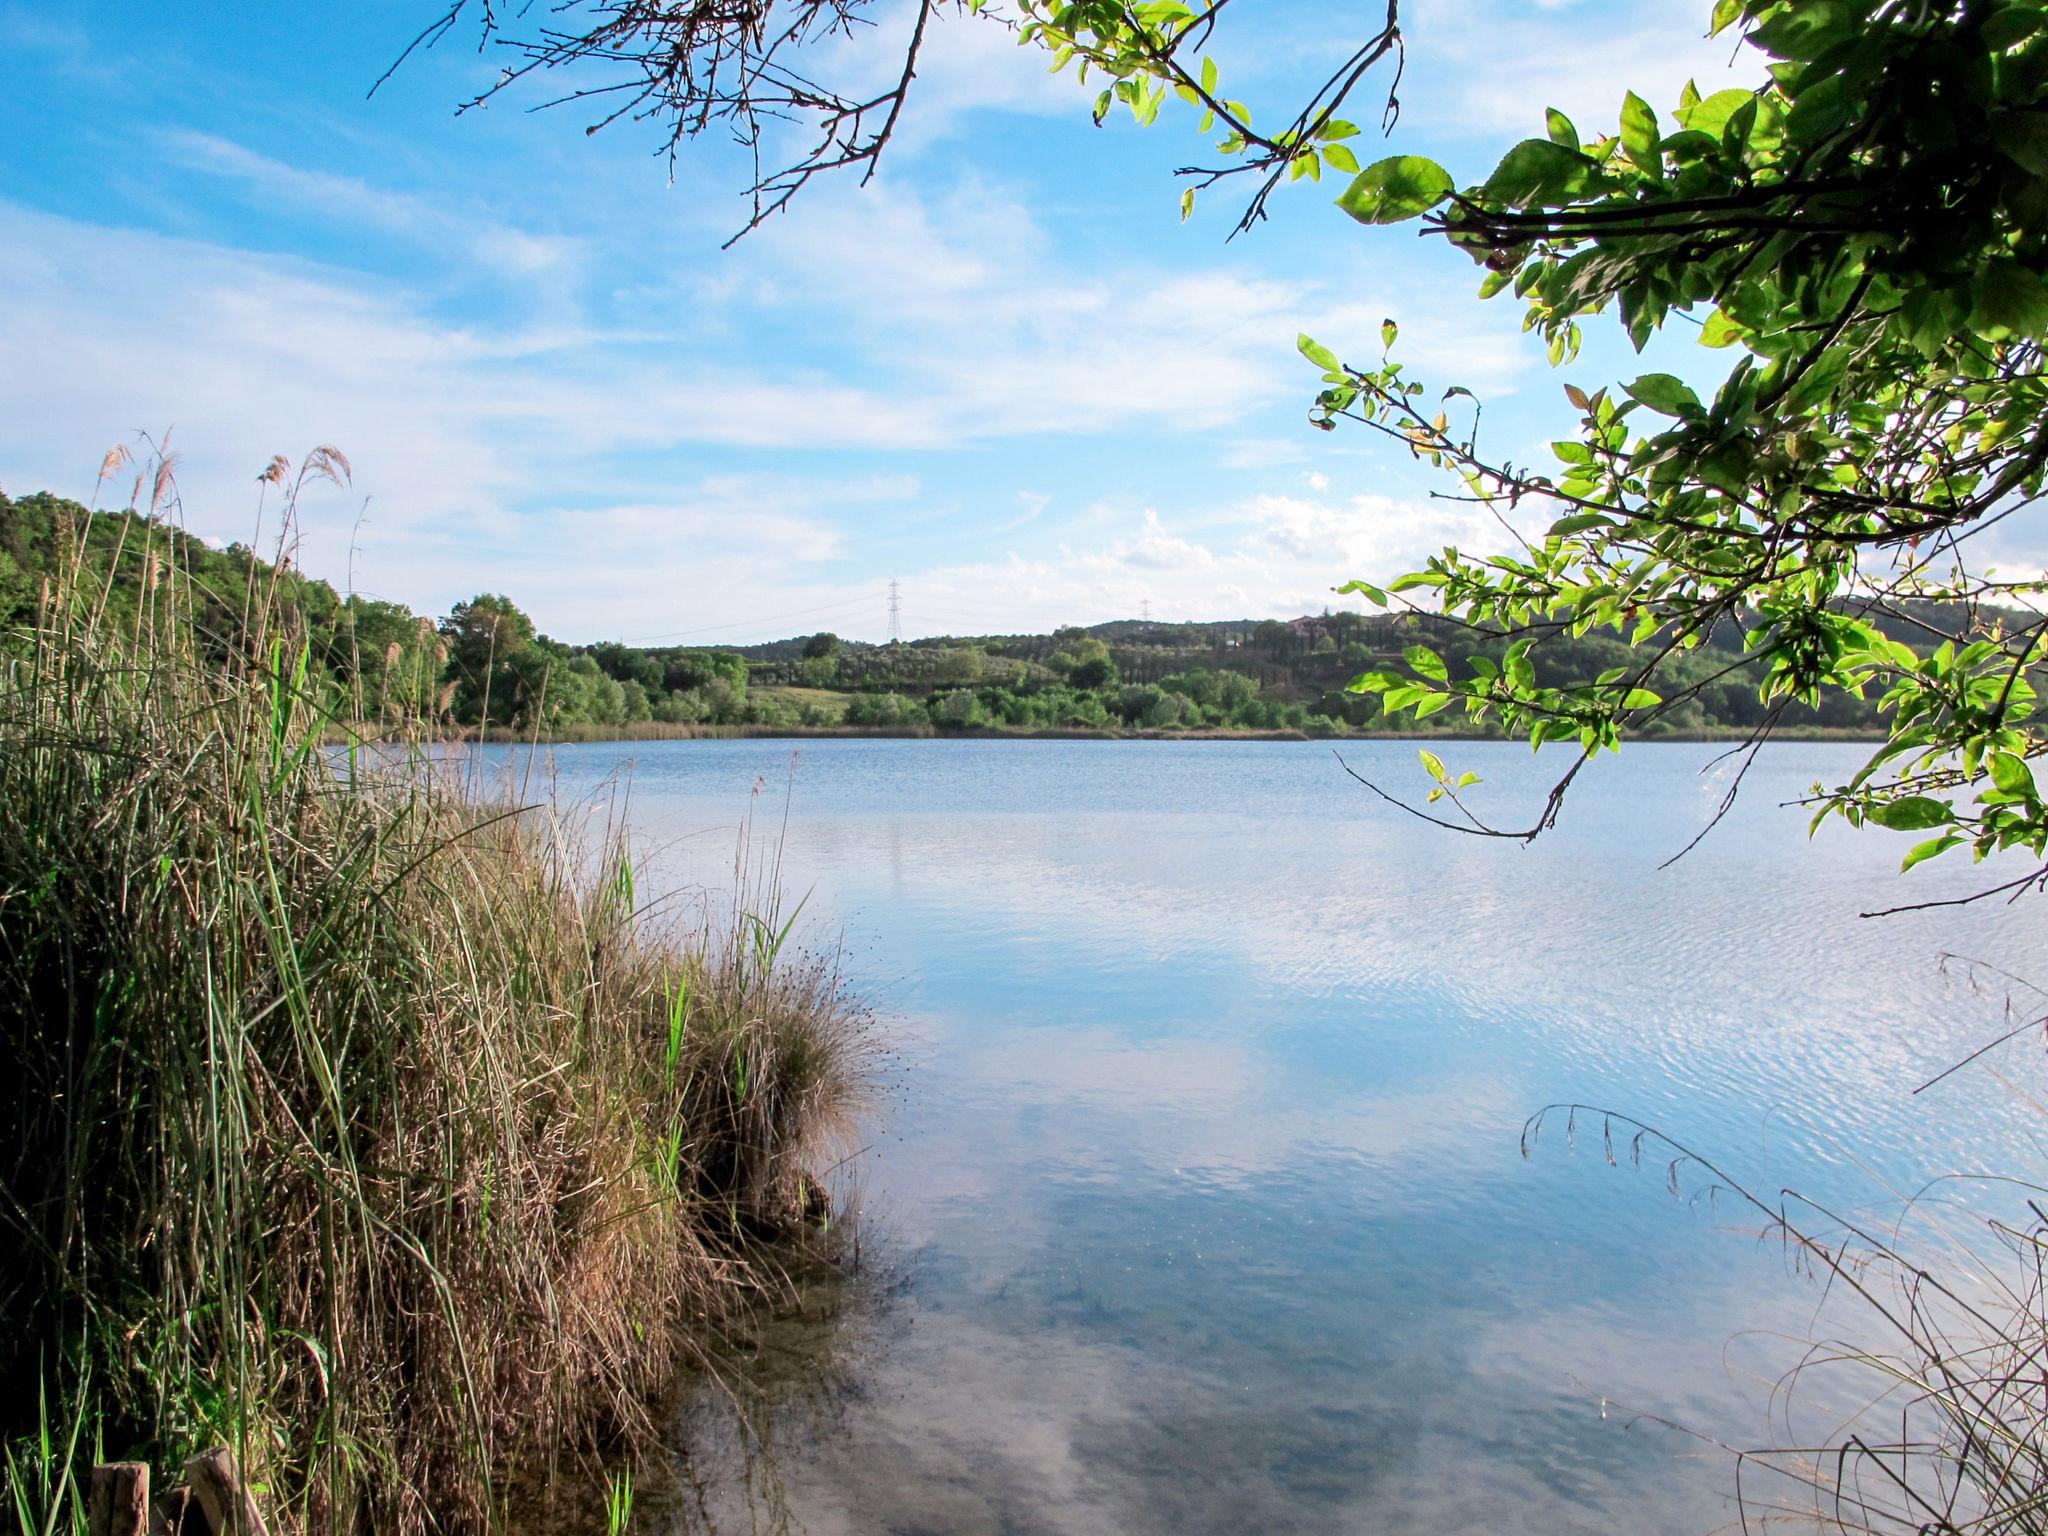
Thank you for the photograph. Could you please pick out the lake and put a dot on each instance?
(1197, 1202)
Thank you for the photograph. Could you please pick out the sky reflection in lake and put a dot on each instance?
(1201, 1162)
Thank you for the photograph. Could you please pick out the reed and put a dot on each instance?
(349, 1117)
(1919, 1406)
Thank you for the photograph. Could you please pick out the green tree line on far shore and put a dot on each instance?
(485, 664)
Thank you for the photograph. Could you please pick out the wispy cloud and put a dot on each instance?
(325, 196)
(63, 42)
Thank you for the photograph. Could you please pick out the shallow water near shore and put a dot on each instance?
(1198, 1200)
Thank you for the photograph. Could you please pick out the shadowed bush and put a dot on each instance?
(347, 1118)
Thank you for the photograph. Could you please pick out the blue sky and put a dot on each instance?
(1004, 374)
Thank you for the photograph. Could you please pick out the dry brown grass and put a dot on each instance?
(351, 1119)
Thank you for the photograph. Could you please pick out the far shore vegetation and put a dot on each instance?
(484, 671)
(376, 1129)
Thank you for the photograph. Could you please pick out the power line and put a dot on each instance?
(895, 612)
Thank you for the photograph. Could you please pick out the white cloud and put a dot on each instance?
(64, 45)
(463, 443)
(1503, 64)
(966, 297)
(1268, 557)
(725, 558)
(901, 325)
(1032, 505)
(1445, 337)
(943, 346)
(322, 195)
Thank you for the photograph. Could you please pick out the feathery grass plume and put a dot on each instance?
(114, 458)
(163, 481)
(328, 463)
(346, 1116)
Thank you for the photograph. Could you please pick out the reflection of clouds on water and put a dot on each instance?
(1215, 1112)
(1743, 978)
(1204, 1161)
(964, 1425)
(1111, 1401)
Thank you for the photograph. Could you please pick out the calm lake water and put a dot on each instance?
(1198, 1204)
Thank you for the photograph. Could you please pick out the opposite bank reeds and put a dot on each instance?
(345, 1118)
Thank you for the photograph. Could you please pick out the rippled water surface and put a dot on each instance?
(1199, 1187)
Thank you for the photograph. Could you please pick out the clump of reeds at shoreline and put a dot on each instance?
(346, 1118)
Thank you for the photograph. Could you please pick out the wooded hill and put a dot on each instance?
(484, 664)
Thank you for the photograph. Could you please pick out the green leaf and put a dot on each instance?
(1807, 30)
(1539, 171)
(2011, 774)
(1394, 189)
(1711, 116)
(2012, 25)
(1375, 682)
(1719, 331)
(1365, 589)
(1341, 159)
(1929, 849)
(1579, 522)
(1426, 662)
(1435, 765)
(2024, 140)
(1667, 395)
(1913, 813)
(1642, 698)
(1318, 354)
(2010, 297)
(1640, 136)
(1560, 128)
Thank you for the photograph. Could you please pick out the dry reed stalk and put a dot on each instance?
(352, 1123)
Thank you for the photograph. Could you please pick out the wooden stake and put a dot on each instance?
(119, 1505)
(224, 1499)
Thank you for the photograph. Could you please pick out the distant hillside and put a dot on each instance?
(484, 664)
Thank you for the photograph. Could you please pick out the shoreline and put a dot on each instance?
(622, 735)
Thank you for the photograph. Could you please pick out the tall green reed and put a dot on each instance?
(349, 1120)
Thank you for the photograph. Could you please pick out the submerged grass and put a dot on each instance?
(346, 1117)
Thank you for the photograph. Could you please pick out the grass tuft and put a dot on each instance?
(345, 1119)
